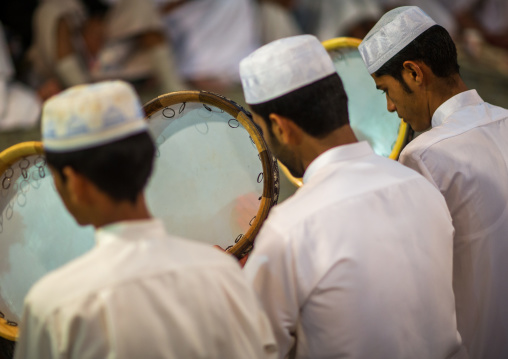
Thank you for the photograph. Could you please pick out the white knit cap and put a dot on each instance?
(394, 31)
(86, 116)
(283, 66)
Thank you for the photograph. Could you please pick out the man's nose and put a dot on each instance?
(390, 106)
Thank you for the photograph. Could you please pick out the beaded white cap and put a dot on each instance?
(394, 31)
(86, 116)
(283, 66)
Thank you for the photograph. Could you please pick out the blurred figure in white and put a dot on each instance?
(434, 8)
(276, 20)
(19, 105)
(333, 18)
(80, 41)
(210, 37)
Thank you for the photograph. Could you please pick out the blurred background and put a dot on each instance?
(162, 46)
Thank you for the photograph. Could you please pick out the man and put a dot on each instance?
(139, 293)
(358, 263)
(464, 155)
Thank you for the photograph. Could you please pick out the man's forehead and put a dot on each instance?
(384, 80)
(379, 80)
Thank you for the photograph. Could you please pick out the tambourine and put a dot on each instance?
(37, 234)
(369, 119)
(214, 180)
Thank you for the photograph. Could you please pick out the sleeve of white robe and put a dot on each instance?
(38, 339)
(77, 331)
(270, 269)
(411, 160)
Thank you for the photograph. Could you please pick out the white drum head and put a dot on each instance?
(368, 116)
(214, 179)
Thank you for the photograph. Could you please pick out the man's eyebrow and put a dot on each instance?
(378, 87)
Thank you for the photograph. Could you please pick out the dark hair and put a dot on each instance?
(121, 169)
(434, 47)
(317, 108)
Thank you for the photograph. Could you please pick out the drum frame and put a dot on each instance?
(8, 331)
(402, 136)
(20, 150)
(8, 157)
(243, 243)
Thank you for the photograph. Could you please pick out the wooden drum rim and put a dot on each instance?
(270, 182)
(9, 330)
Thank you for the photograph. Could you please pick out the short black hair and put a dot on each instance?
(121, 169)
(318, 108)
(434, 47)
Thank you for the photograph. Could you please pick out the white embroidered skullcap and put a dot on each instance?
(86, 116)
(394, 31)
(283, 66)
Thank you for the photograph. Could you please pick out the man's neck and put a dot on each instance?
(114, 211)
(444, 89)
(314, 147)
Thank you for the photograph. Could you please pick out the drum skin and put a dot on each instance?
(211, 146)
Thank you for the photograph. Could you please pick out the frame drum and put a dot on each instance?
(37, 234)
(368, 116)
(214, 180)
(211, 152)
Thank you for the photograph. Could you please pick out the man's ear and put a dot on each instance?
(285, 130)
(77, 186)
(413, 71)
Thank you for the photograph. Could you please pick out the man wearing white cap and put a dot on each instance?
(464, 155)
(140, 293)
(358, 263)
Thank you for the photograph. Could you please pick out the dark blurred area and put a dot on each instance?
(162, 46)
(16, 17)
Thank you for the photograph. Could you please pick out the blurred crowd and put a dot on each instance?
(169, 45)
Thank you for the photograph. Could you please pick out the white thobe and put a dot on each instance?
(465, 155)
(211, 37)
(358, 263)
(142, 294)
